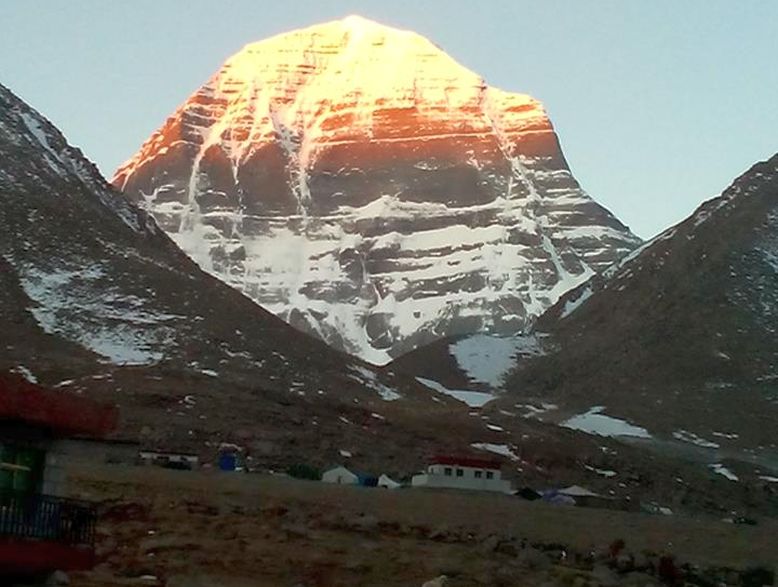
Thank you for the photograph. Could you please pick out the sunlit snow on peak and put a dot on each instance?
(358, 182)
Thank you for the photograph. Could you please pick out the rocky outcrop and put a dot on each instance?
(359, 183)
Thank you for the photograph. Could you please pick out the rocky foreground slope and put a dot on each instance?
(356, 181)
(178, 529)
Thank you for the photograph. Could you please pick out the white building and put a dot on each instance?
(463, 473)
(340, 475)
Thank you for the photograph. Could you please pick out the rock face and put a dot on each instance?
(359, 183)
(681, 336)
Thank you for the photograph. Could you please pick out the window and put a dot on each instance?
(447, 471)
(21, 468)
(460, 473)
(489, 475)
(479, 474)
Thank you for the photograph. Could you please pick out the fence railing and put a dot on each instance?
(44, 517)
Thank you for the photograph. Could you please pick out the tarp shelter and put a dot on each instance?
(387, 482)
(340, 475)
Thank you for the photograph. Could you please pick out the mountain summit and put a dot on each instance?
(358, 182)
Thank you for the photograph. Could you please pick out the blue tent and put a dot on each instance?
(228, 461)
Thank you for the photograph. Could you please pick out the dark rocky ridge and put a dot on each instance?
(683, 335)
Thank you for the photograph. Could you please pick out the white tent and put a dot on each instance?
(340, 475)
(387, 482)
(577, 491)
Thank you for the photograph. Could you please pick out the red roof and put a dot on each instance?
(61, 412)
(26, 557)
(465, 461)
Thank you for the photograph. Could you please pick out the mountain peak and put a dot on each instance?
(355, 21)
(353, 60)
(357, 181)
(352, 29)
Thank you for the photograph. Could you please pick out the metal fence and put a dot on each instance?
(44, 517)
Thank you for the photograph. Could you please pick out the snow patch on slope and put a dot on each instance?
(36, 130)
(498, 449)
(488, 359)
(595, 422)
(720, 469)
(78, 305)
(25, 372)
(474, 399)
(572, 305)
(370, 379)
(690, 437)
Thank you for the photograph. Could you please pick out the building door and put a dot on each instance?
(21, 468)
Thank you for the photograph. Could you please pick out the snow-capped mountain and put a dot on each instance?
(95, 298)
(362, 185)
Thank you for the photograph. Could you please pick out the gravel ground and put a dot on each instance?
(192, 529)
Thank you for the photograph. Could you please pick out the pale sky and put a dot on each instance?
(658, 104)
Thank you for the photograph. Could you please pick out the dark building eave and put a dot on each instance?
(62, 413)
(39, 557)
